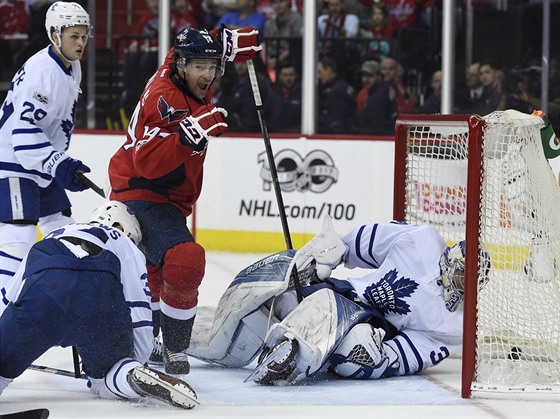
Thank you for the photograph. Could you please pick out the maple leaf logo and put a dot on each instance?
(388, 294)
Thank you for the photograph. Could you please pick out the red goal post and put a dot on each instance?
(486, 180)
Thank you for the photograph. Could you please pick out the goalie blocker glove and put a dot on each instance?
(195, 130)
(239, 44)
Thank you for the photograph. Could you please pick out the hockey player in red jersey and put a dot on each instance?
(158, 174)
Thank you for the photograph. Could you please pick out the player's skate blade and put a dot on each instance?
(157, 385)
(277, 365)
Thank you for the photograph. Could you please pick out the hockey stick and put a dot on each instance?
(87, 181)
(273, 172)
(56, 371)
(27, 414)
(76, 360)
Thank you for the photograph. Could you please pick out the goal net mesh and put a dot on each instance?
(518, 307)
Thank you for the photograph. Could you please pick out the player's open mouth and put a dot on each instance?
(203, 86)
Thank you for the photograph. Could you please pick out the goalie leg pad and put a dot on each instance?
(361, 354)
(182, 272)
(319, 324)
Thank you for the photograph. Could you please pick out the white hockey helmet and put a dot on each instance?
(118, 215)
(63, 14)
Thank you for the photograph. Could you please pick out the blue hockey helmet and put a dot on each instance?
(193, 43)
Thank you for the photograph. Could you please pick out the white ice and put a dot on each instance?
(223, 394)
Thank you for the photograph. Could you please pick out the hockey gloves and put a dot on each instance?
(239, 44)
(206, 122)
(66, 172)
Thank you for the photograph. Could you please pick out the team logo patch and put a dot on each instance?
(169, 112)
(388, 294)
(40, 98)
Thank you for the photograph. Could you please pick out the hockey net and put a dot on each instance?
(486, 180)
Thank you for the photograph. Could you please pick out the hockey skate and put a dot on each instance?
(277, 365)
(156, 357)
(175, 362)
(156, 385)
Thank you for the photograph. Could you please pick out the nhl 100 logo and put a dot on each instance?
(315, 172)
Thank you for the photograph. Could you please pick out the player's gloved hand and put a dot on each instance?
(239, 44)
(326, 249)
(195, 130)
(66, 172)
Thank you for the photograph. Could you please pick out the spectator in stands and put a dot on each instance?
(287, 24)
(245, 14)
(392, 75)
(215, 9)
(377, 110)
(337, 100)
(380, 29)
(491, 98)
(240, 103)
(433, 103)
(282, 108)
(337, 23)
(471, 91)
(14, 24)
(37, 36)
(183, 16)
(407, 14)
(335, 27)
(141, 59)
(362, 9)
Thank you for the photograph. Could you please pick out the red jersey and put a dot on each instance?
(153, 165)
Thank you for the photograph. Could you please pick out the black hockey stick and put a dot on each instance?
(27, 414)
(76, 361)
(273, 172)
(87, 181)
(55, 371)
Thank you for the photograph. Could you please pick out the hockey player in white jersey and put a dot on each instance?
(85, 285)
(36, 123)
(416, 284)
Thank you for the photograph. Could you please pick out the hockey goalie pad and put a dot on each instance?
(326, 249)
(319, 323)
(242, 319)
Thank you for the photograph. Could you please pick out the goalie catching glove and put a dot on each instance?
(206, 122)
(239, 44)
(326, 249)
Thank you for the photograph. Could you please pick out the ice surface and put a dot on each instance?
(434, 394)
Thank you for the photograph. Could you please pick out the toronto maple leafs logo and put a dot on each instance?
(169, 112)
(388, 294)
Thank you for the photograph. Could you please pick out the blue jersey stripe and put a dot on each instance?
(26, 131)
(32, 146)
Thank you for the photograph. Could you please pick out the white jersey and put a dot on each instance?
(404, 285)
(37, 117)
(133, 275)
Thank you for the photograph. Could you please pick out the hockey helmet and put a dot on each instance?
(63, 14)
(117, 215)
(452, 267)
(193, 43)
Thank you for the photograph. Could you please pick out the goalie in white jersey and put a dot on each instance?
(402, 318)
(36, 123)
(85, 285)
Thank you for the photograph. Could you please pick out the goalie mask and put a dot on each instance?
(192, 44)
(117, 215)
(452, 268)
(61, 15)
